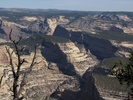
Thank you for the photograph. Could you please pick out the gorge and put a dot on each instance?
(75, 50)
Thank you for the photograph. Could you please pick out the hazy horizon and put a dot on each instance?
(76, 5)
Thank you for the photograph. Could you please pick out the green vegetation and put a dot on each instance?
(38, 39)
(37, 98)
(124, 73)
(118, 36)
(15, 16)
(47, 97)
(110, 61)
(109, 83)
(129, 14)
(8, 43)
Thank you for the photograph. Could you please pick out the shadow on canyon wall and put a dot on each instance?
(101, 48)
(52, 53)
(86, 91)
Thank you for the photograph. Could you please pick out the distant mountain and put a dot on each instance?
(50, 11)
(76, 51)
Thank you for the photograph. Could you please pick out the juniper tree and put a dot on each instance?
(124, 73)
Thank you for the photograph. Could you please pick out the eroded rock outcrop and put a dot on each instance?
(59, 62)
(110, 22)
(74, 89)
(119, 17)
(80, 60)
(38, 79)
(101, 48)
(69, 56)
(63, 67)
(26, 26)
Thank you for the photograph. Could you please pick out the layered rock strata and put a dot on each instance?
(101, 48)
(58, 62)
(77, 89)
(110, 22)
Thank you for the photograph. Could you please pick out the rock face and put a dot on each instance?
(92, 26)
(81, 60)
(59, 62)
(42, 80)
(112, 95)
(109, 21)
(71, 90)
(3, 57)
(65, 70)
(101, 48)
(63, 66)
(26, 26)
(119, 17)
(72, 62)
(69, 56)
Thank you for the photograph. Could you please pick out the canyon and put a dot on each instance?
(67, 70)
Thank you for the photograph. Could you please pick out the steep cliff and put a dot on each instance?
(83, 89)
(101, 48)
(66, 67)
(68, 56)
(25, 26)
(105, 21)
(42, 80)
(59, 62)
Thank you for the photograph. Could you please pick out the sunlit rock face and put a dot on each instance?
(29, 25)
(112, 22)
(65, 69)
(68, 53)
(77, 89)
(101, 48)
(81, 60)
(92, 26)
(26, 25)
(58, 63)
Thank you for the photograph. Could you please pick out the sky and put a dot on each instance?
(79, 5)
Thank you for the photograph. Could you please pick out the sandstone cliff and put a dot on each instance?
(69, 56)
(59, 62)
(94, 25)
(26, 25)
(105, 21)
(101, 48)
(83, 89)
(40, 81)
(66, 69)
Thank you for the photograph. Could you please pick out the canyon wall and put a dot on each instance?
(65, 70)
(101, 48)
(59, 62)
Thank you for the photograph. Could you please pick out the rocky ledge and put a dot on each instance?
(59, 62)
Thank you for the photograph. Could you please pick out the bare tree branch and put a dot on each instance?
(19, 40)
(33, 60)
(22, 84)
(17, 88)
(11, 63)
(10, 35)
(21, 50)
